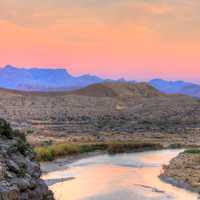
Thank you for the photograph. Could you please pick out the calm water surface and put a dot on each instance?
(132, 176)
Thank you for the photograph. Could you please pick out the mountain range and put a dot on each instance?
(40, 79)
(176, 87)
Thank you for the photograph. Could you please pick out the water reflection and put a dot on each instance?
(124, 176)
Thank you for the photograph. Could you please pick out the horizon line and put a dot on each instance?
(89, 74)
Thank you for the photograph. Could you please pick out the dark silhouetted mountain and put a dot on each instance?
(176, 87)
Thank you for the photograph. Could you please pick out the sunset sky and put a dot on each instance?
(135, 39)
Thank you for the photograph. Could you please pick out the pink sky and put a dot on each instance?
(126, 38)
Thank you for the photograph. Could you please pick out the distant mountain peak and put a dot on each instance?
(176, 87)
(42, 79)
(52, 79)
(9, 67)
(166, 81)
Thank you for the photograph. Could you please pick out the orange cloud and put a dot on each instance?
(157, 9)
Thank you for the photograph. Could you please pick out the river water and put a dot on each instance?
(129, 176)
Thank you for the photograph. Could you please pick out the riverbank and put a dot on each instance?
(51, 148)
(54, 156)
(184, 170)
(177, 173)
(62, 163)
(58, 155)
(137, 175)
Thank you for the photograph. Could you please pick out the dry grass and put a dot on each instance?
(49, 153)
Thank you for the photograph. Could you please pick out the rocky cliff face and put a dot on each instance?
(19, 172)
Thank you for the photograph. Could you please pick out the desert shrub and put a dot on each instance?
(120, 147)
(44, 154)
(65, 149)
(49, 153)
(19, 134)
(22, 172)
(93, 147)
(5, 129)
(47, 143)
(175, 146)
(30, 131)
(22, 146)
(192, 151)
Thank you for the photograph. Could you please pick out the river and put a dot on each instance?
(128, 176)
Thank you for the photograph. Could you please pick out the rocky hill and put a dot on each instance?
(119, 90)
(122, 107)
(19, 172)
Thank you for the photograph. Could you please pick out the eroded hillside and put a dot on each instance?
(101, 107)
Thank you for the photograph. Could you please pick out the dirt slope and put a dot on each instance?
(100, 107)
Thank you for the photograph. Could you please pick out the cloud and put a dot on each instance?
(170, 18)
(159, 9)
(31, 12)
(127, 35)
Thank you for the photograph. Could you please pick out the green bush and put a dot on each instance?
(30, 131)
(22, 146)
(49, 153)
(92, 147)
(175, 146)
(5, 129)
(120, 147)
(192, 151)
(19, 134)
(44, 154)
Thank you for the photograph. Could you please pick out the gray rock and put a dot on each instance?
(22, 184)
(19, 172)
(8, 192)
(12, 166)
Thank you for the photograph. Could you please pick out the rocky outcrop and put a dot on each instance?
(184, 171)
(19, 172)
